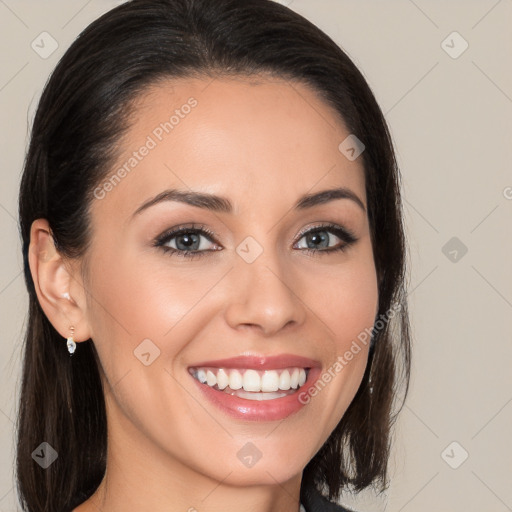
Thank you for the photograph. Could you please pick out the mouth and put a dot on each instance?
(252, 384)
(257, 388)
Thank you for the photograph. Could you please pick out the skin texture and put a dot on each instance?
(262, 144)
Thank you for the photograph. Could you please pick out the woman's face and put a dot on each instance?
(261, 287)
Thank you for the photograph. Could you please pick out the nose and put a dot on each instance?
(265, 297)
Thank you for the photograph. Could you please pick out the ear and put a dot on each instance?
(58, 285)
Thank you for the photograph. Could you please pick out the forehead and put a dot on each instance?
(243, 137)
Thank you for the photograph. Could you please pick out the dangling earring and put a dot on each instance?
(71, 342)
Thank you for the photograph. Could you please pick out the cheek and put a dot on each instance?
(142, 295)
(347, 304)
(345, 298)
(353, 303)
(137, 297)
(357, 306)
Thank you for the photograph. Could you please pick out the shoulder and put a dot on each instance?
(314, 501)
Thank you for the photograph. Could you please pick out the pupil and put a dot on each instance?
(318, 237)
(189, 238)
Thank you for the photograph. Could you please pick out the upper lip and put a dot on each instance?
(261, 362)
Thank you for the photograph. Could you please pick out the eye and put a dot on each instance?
(186, 241)
(319, 238)
(189, 241)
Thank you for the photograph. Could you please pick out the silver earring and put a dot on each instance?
(71, 342)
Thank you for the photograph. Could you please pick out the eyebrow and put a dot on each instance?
(223, 205)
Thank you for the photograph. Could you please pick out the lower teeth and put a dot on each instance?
(251, 395)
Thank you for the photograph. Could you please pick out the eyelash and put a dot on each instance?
(347, 237)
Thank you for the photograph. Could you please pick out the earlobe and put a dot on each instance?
(52, 279)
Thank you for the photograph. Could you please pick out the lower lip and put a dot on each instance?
(265, 410)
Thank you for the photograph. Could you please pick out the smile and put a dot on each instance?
(253, 387)
(252, 384)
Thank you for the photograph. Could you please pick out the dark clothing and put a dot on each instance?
(313, 501)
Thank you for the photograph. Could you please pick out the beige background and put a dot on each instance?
(451, 120)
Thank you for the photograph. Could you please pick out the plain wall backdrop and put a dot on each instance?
(442, 74)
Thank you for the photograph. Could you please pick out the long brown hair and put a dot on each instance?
(82, 113)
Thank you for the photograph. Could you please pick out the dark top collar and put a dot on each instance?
(314, 501)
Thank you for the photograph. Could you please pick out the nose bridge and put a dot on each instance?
(263, 295)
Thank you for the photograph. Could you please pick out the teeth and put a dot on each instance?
(270, 381)
(284, 380)
(222, 379)
(294, 378)
(235, 379)
(259, 396)
(201, 376)
(302, 378)
(252, 381)
(211, 379)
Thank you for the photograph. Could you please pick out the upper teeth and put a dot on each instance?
(252, 380)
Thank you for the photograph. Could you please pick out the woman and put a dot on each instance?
(215, 257)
